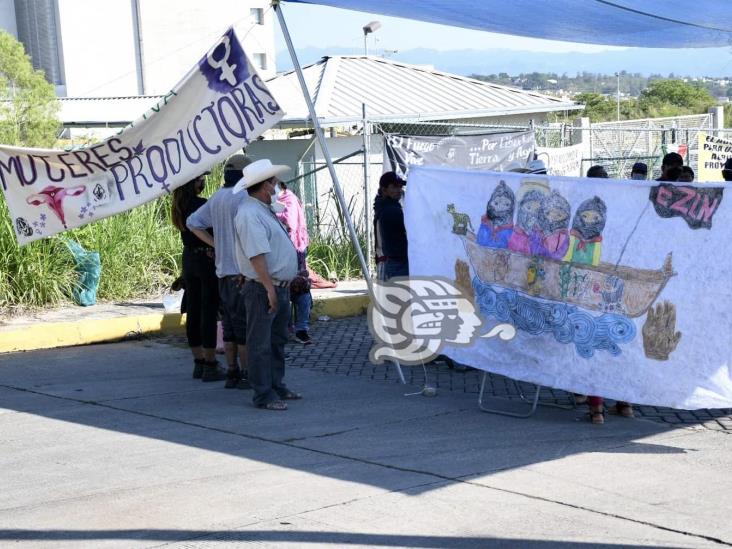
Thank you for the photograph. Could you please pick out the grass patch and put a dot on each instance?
(334, 256)
(140, 251)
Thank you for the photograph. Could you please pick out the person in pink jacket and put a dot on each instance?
(290, 212)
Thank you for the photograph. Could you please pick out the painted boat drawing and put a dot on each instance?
(619, 290)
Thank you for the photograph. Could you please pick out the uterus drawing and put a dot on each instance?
(54, 198)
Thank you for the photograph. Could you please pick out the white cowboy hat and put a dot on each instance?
(536, 166)
(515, 166)
(258, 171)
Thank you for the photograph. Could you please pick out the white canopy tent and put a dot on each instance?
(642, 23)
(620, 22)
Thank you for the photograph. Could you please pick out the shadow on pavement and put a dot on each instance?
(145, 389)
(290, 536)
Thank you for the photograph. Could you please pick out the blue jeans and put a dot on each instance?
(396, 267)
(233, 315)
(303, 305)
(266, 338)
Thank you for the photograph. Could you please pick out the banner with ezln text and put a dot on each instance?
(615, 288)
(217, 108)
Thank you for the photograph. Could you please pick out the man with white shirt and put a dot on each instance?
(268, 261)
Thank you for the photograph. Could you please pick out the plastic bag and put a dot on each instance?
(89, 267)
(172, 301)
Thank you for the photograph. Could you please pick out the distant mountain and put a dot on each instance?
(686, 62)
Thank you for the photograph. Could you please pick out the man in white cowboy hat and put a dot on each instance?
(268, 261)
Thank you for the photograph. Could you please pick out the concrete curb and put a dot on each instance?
(49, 335)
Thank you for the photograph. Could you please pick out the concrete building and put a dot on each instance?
(107, 48)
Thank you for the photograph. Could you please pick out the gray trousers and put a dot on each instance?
(266, 338)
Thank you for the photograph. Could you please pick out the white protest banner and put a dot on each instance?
(713, 152)
(564, 161)
(490, 151)
(615, 288)
(214, 111)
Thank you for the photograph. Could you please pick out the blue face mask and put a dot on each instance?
(231, 177)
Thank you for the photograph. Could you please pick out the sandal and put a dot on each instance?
(277, 405)
(624, 409)
(291, 395)
(597, 415)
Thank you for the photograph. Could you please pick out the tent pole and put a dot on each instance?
(367, 183)
(329, 161)
(324, 147)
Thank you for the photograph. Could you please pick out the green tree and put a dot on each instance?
(41, 272)
(597, 107)
(674, 98)
(28, 106)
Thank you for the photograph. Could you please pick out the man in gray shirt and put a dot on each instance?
(218, 213)
(268, 260)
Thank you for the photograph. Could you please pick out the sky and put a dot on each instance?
(325, 27)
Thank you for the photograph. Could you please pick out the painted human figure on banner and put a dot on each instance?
(585, 242)
(527, 234)
(554, 219)
(496, 226)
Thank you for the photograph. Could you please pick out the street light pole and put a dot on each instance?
(618, 76)
(368, 29)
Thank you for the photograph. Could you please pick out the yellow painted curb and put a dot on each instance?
(48, 335)
(342, 306)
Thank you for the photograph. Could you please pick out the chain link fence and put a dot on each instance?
(359, 162)
(617, 145)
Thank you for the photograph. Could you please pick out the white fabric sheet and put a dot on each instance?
(644, 23)
(696, 282)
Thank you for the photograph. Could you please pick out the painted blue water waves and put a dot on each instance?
(566, 323)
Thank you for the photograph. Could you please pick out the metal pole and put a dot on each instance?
(365, 44)
(323, 146)
(618, 75)
(367, 182)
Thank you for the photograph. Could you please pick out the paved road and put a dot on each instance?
(116, 446)
(343, 347)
